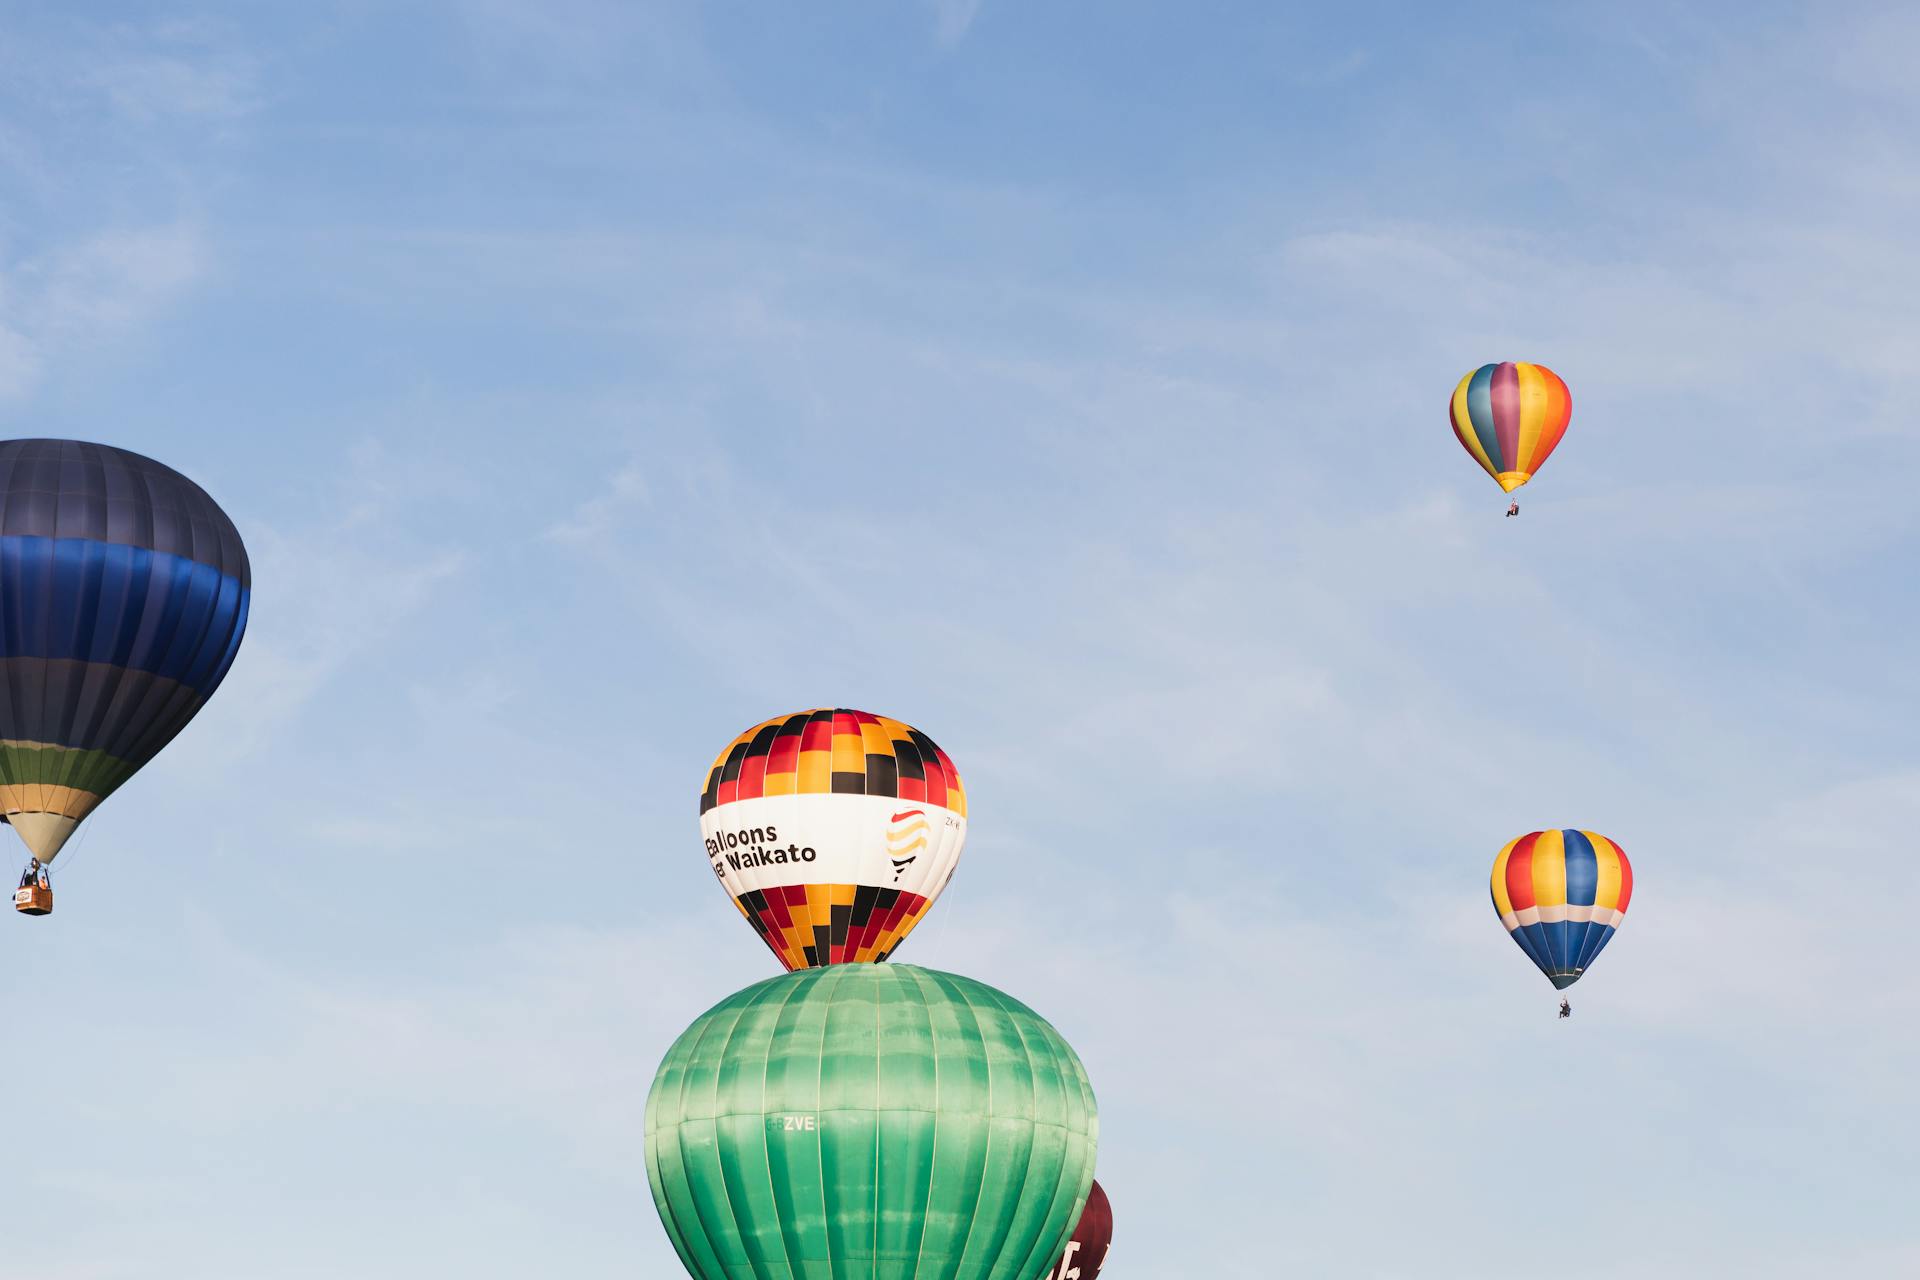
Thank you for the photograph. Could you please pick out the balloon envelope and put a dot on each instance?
(1086, 1250)
(123, 597)
(1561, 895)
(1509, 417)
(833, 831)
(880, 1121)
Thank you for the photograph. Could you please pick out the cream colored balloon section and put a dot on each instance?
(883, 841)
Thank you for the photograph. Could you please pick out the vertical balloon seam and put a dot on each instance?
(687, 1220)
(1606, 868)
(183, 628)
(1003, 1231)
(873, 1108)
(11, 670)
(1528, 412)
(103, 670)
(1588, 868)
(1579, 931)
(16, 693)
(216, 643)
(1536, 404)
(1504, 398)
(173, 621)
(1497, 448)
(670, 1082)
(1560, 869)
(1480, 417)
(87, 729)
(45, 608)
(991, 1248)
(918, 978)
(39, 608)
(828, 974)
(1069, 1168)
(52, 691)
(1461, 416)
(746, 1241)
(723, 1230)
(125, 744)
(1542, 872)
(783, 1038)
(1556, 431)
(1007, 1211)
(1552, 419)
(870, 1104)
(1622, 889)
(1554, 406)
(20, 672)
(1037, 1244)
(1462, 423)
(957, 1000)
(656, 1177)
(790, 1241)
(43, 776)
(699, 1178)
(1536, 932)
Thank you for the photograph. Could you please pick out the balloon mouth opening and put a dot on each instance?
(1561, 981)
(1511, 480)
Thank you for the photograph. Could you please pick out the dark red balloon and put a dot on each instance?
(1086, 1250)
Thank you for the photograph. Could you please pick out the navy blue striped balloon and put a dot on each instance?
(123, 597)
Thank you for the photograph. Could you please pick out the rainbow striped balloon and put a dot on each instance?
(1509, 417)
(1561, 895)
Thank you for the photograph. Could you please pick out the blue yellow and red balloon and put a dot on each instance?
(1561, 895)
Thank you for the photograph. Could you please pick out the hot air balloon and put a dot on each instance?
(1086, 1250)
(834, 831)
(1561, 895)
(881, 1121)
(1509, 417)
(123, 597)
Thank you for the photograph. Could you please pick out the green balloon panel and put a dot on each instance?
(870, 1122)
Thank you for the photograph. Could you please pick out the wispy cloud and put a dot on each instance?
(175, 70)
(70, 299)
(596, 517)
(953, 19)
(326, 596)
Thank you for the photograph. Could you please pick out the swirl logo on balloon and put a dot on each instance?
(906, 837)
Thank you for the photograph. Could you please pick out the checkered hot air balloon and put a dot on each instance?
(833, 830)
(1509, 417)
(123, 597)
(1560, 895)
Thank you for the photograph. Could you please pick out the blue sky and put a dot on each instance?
(592, 380)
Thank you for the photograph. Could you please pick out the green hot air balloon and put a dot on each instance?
(870, 1122)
